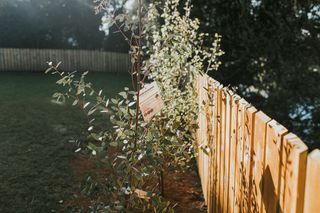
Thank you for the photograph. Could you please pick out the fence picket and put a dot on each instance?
(258, 159)
(228, 118)
(271, 176)
(249, 119)
(312, 188)
(294, 158)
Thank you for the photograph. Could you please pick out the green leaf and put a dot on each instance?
(119, 208)
(75, 102)
(48, 70)
(92, 111)
(92, 146)
(123, 94)
(86, 104)
(95, 136)
(114, 101)
(57, 66)
(113, 144)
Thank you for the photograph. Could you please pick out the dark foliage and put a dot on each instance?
(272, 47)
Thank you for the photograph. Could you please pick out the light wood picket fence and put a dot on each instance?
(81, 60)
(251, 163)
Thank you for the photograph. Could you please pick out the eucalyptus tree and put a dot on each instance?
(136, 152)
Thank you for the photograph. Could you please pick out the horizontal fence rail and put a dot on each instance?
(80, 60)
(247, 161)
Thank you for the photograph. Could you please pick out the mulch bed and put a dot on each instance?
(182, 188)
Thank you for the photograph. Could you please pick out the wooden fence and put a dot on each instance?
(81, 60)
(247, 161)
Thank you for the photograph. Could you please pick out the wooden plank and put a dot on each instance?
(212, 144)
(5, 60)
(32, 60)
(205, 137)
(227, 149)
(1, 60)
(200, 129)
(209, 144)
(258, 158)
(22, 59)
(294, 173)
(202, 136)
(233, 152)
(239, 162)
(22, 63)
(271, 175)
(222, 148)
(312, 187)
(249, 119)
(36, 61)
(9, 59)
(215, 127)
(15, 58)
(218, 152)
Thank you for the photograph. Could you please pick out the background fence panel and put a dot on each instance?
(80, 60)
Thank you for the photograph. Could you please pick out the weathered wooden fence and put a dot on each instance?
(81, 60)
(248, 162)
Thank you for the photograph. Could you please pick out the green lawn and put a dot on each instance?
(34, 139)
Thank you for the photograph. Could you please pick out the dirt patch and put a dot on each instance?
(185, 190)
(182, 188)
